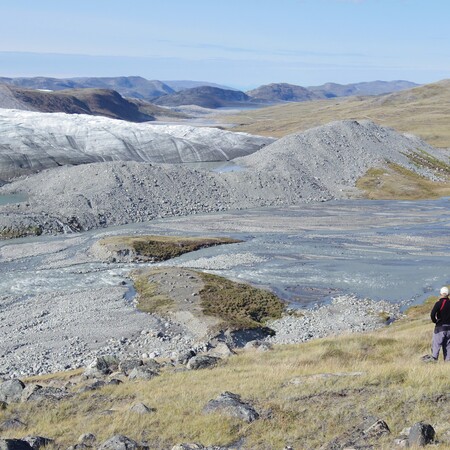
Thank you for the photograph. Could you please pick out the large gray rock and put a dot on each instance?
(14, 444)
(231, 405)
(202, 362)
(101, 366)
(120, 442)
(142, 373)
(127, 365)
(11, 390)
(421, 434)
(37, 442)
(36, 392)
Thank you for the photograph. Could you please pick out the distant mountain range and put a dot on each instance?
(205, 94)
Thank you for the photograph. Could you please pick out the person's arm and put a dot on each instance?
(434, 311)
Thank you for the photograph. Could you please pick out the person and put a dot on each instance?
(440, 315)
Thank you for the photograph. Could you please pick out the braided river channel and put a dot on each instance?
(392, 250)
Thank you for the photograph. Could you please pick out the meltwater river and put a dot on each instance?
(391, 250)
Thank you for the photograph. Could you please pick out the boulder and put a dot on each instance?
(142, 373)
(93, 386)
(421, 434)
(14, 444)
(221, 350)
(239, 338)
(202, 362)
(120, 442)
(140, 408)
(231, 405)
(102, 365)
(37, 442)
(11, 390)
(36, 392)
(183, 358)
(127, 365)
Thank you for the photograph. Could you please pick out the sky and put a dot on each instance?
(237, 43)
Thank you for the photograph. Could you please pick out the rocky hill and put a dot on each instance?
(96, 102)
(321, 164)
(31, 141)
(206, 97)
(282, 92)
(136, 87)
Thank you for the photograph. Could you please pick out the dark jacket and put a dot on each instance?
(441, 317)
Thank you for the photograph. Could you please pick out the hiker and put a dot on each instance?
(440, 315)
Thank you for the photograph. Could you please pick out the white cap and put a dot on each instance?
(444, 290)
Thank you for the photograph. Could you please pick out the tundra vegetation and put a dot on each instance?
(422, 111)
(306, 394)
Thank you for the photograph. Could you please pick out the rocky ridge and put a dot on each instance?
(321, 164)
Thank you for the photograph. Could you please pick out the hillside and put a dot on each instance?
(353, 391)
(282, 92)
(136, 87)
(96, 102)
(423, 111)
(206, 97)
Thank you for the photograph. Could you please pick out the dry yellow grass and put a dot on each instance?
(299, 406)
(424, 111)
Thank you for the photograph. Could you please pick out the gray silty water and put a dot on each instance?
(381, 250)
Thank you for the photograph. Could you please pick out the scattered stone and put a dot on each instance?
(188, 447)
(202, 362)
(93, 386)
(221, 350)
(120, 442)
(363, 435)
(14, 444)
(87, 439)
(142, 373)
(128, 365)
(231, 405)
(184, 357)
(421, 434)
(11, 424)
(11, 390)
(36, 392)
(140, 408)
(37, 442)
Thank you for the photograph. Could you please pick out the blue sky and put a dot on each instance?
(239, 43)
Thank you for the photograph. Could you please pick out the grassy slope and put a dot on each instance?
(395, 385)
(424, 111)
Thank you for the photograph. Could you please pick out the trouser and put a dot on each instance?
(441, 338)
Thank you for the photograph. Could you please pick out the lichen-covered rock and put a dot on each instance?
(231, 405)
(142, 373)
(36, 392)
(127, 365)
